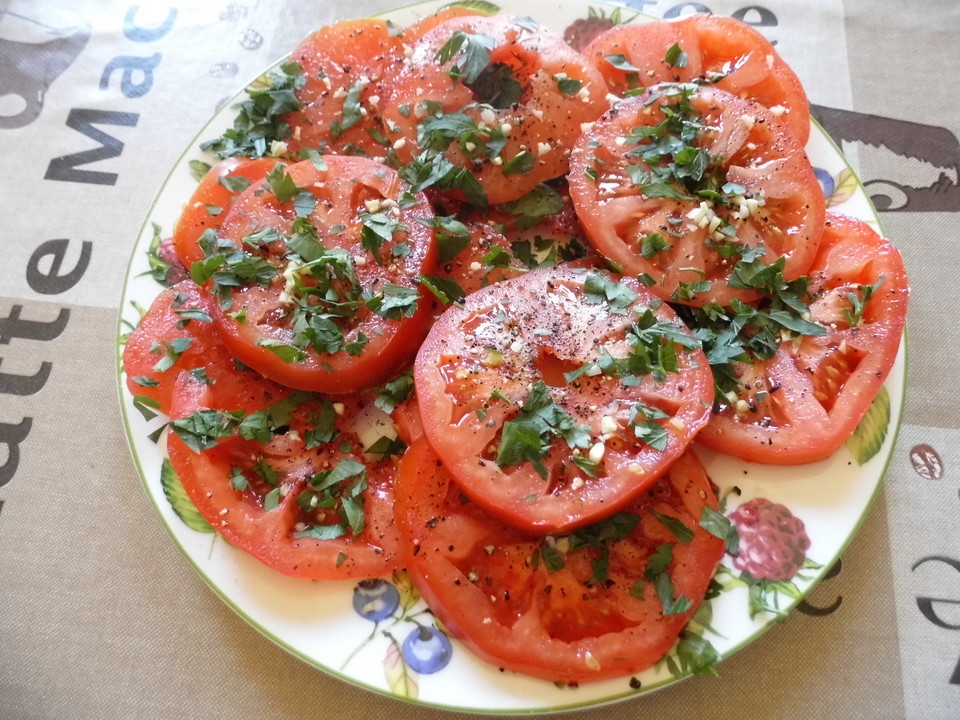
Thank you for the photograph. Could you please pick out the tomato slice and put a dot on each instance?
(805, 401)
(511, 115)
(174, 335)
(210, 202)
(319, 290)
(718, 50)
(345, 65)
(678, 183)
(557, 397)
(420, 28)
(282, 475)
(547, 606)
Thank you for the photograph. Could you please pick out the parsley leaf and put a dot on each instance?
(260, 121)
(395, 301)
(447, 291)
(598, 288)
(342, 486)
(519, 164)
(718, 525)
(537, 204)
(281, 184)
(497, 87)
(395, 392)
(621, 63)
(475, 51)
(530, 435)
(171, 352)
(675, 57)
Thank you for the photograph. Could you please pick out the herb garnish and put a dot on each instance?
(259, 122)
(530, 435)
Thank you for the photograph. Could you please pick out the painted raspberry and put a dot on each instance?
(580, 32)
(773, 542)
(168, 254)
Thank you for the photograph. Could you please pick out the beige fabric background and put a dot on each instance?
(101, 617)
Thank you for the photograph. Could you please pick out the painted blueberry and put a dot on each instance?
(826, 181)
(375, 599)
(427, 650)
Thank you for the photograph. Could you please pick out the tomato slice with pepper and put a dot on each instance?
(345, 65)
(424, 25)
(175, 334)
(283, 475)
(801, 404)
(605, 601)
(557, 397)
(721, 51)
(208, 206)
(500, 98)
(317, 269)
(681, 182)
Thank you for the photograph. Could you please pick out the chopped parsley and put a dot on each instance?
(339, 490)
(259, 121)
(531, 434)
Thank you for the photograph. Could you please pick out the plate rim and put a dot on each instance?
(123, 397)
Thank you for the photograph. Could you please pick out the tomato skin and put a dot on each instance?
(542, 115)
(241, 517)
(825, 384)
(420, 28)
(756, 152)
(341, 191)
(713, 44)
(144, 348)
(477, 576)
(334, 59)
(530, 329)
(195, 218)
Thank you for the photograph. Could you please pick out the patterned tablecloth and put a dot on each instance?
(101, 616)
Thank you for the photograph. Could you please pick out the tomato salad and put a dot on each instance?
(462, 300)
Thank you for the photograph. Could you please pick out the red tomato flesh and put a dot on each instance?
(803, 403)
(231, 483)
(209, 205)
(717, 50)
(500, 590)
(479, 366)
(630, 189)
(270, 325)
(537, 130)
(175, 334)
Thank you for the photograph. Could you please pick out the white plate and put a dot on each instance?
(317, 621)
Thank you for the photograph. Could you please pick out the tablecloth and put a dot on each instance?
(101, 616)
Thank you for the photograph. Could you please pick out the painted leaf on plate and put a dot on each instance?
(181, 504)
(846, 186)
(409, 595)
(401, 679)
(872, 430)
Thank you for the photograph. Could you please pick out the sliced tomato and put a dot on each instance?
(334, 306)
(428, 23)
(541, 229)
(486, 259)
(721, 51)
(804, 402)
(547, 606)
(678, 183)
(278, 497)
(541, 449)
(345, 65)
(511, 119)
(174, 335)
(211, 201)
